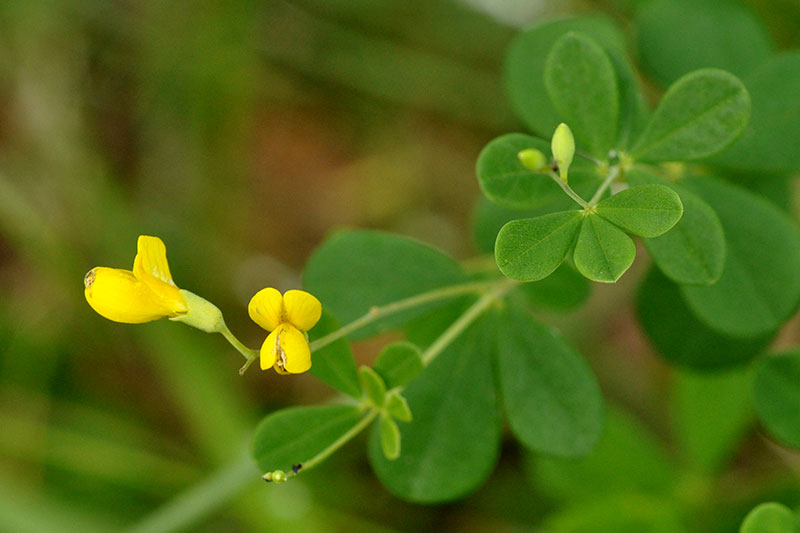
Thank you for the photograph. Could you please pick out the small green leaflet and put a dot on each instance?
(582, 85)
(700, 114)
(693, 251)
(647, 210)
(297, 434)
(603, 252)
(532, 248)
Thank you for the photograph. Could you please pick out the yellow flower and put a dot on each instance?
(288, 317)
(144, 294)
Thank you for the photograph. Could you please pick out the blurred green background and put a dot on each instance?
(241, 133)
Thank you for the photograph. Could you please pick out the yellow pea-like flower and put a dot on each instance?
(146, 293)
(287, 317)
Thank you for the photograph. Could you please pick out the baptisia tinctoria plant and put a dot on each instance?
(561, 209)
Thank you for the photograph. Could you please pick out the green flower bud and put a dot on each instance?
(563, 146)
(278, 476)
(532, 159)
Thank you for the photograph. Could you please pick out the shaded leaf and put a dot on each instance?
(551, 398)
(760, 285)
(334, 363)
(352, 271)
(452, 445)
(666, 320)
(294, 435)
(693, 251)
(678, 36)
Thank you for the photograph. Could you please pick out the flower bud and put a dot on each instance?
(532, 159)
(278, 476)
(563, 146)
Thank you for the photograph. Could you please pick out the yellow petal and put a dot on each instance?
(268, 354)
(287, 350)
(302, 309)
(266, 308)
(296, 349)
(150, 266)
(118, 295)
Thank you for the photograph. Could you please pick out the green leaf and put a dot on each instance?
(453, 443)
(582, 85)
(352, 271)
(627, 459)
(760, 285)
(776, 395)
(506, 182)
(603, 252)
(488, 217)
(647, 210)
(297, 434)
(334, 364)
(552, 401)
(563, 290)
(666, 320)
(373, 386)
(692, 252)
(712, 413)
(525, 64)
(390, 438)
(678, 36)
(701, 114)
(770, 517)
(397, 406)
(398, 364)
(531, 249)
(768, 144)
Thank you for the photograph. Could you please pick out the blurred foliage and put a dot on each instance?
(242, 133)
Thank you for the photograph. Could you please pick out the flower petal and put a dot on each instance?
(302, 309)
(118, 295)
(295, 347)
(268, 354)
(266, 308)
(150, 266)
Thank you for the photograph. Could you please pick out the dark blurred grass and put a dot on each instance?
(241, 133)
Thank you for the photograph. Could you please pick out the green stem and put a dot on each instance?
(379, 312)
(249, 354)
(338, 443)
(469, 316)
(568, 190)
(613, 174)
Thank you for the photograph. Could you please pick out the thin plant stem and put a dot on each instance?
(383, 311)
(249, 354)
(613, 174)
(568, 190)
(338, 443)
(469, 316)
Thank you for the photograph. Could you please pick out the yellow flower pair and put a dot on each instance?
(148, 293)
